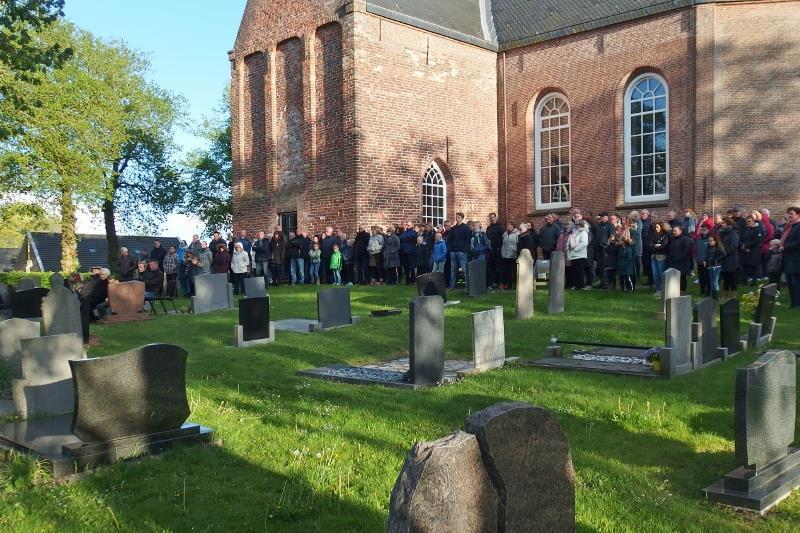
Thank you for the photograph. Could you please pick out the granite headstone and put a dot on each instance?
(476, 275)
(556, 282)
(26, 284)
(676, 356)
(255, 287)
(28, 303)
(5, 296)
(670, 287)
(333, 307)
(525, 285)
(432, 284)
(765, 310)
(254, 324)
(212, 293)
(56, 280)
(61, 312)
(488, 339)
(730, 325)
(426, 340)
(12, 331)
(704, 332)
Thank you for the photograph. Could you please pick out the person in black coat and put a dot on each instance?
(158, 253)
(361, 256)
(277, 256)
(679, 254)
(729, 239)
(750, 246)
(790, 250)
(527, 240)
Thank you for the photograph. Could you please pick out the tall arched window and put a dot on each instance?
(434, 196)
(552, 143)
(647, 139)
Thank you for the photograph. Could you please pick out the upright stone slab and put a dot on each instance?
(56, 280)
(5, 296)
(12, 331)
(333, 307)
(528, 460)
(126, 301)
(28, 303)
(212, 293)
(426, 340)
(730, 325)
(766, 398)
(670, 287)
(525, 285)
(764, 323)
(704, 332)
(26, 284)
(432, 284)
(488, 339)
(254, 324)
(255, 287)
(46, 384)
(476, 272)
(442, 487)
(676, 356)
(556, 282)
(61, 312)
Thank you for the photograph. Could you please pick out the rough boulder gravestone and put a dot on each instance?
(432, 284)
(488, 339)
(254, 324)
(476, 275)
(426, 340)
(255, 287)
(525, 285)
(556, 282)
(61, 312)
(212, 293)
(28, 303)
(766, 398)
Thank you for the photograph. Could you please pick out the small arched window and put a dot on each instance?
(647, 139)
(552, 149)
(434, 196)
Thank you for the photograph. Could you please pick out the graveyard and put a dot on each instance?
(292, 453)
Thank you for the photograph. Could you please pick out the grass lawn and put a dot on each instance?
(308, 455)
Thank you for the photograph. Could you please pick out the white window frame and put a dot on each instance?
(629, 199)
(537, 135)
(432, 171)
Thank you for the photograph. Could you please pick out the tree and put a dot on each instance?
(18, 217)
(207, 188)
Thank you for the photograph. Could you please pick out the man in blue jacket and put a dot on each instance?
(408, 245)
(458, 240)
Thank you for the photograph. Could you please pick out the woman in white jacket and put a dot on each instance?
(577, 247)
(240, 267)
(509, 254)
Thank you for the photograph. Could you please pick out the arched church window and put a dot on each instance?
(552, 149)
(647, 139)
(434, 196)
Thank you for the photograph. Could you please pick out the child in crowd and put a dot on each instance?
(439, 253)
(315, 257)
(774, 261)
(715, 257)
(347, 261)
(626, 264)
(612, 259)
(336, 265)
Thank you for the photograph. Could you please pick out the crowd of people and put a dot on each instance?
(603, 251)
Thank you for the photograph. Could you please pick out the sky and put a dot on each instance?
(187, 43)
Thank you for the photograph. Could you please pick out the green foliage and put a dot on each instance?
(15, 276)
(20, 472)
(18, 217)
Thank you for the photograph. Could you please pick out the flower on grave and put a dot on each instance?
(653, 354)
(553, 340)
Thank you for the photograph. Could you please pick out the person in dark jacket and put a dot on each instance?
(658, 261)
(458, 243)
(701, 258)
(260, 251)
(729, 239)
(126, 265)
(526, 240)
(548, 235)
(215, 243)
(361, 256)
(679, 254)
(153, 279)
(715, 258)
(326, 247)
(95, 291)
(277, 255)
(647, 244)
(158, 254)
(612, 261)
(790, 251)
(408, 247)
(297, 253)
(222, 259)
(750, 245)
(603, 233)
(494, 232)
(626, 265)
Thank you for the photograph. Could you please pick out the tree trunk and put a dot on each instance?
(111, 235)
(69, 241)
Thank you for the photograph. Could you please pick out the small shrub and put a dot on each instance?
(15, 276)
(20, 472)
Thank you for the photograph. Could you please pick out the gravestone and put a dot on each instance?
(255, 287)
(704, 333)
(46, 384)
(676, 355)
(763, 325)
(212, 293)
(528, 461)
(12, 331)
(525, 285)
(254, 325)
(766, 397)
(542, 269)
(26, 284)
(432, 284)
(126, 301)
(730, 326)
(333, 308)
(488, 339)
(5, 296)
(426, 340)
(28, 303)
(670, 288)
(56, 280)
(556, 282)
(61, 312)
(476, 274)
(443, 486)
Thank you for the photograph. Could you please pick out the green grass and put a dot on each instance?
(307, 455)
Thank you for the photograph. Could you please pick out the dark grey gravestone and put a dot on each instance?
(46, 384)
(528, 460)
(212, 293)
(28, 303)
(5, 296)
(704, 332)
(676, 356)
(488, 339)
(766, 398)
(254, 325)
(476, 274)
(766, 307)
(525, 285)
(12, 331)
(730, 325)
(432, 284)
(61, 312)
(426, 340)
(139, 392)
(56, 280)
(333, 307)
(255, 287)
(26, 284)
(443, 487)
(556, 282)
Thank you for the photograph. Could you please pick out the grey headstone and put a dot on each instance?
(56, 280)
(255, 287)
(676, 358)
(426, 340)
(333, 307)
(476, 272)
(139, 392)
(766, 397)
(61, 312)
(766, 307)
(212, 293)
(705, 331)
(28, 303)
(542, 268)
(432, 284)
(488, 339)
(46, 384)
(670, 286)
(26, 284)
(730, 325)
(254, 318)
(556, 282)
(12, 331)
(528, 460)
(443, 487)
(525, 285)
(5, 296)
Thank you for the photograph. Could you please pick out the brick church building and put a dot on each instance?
(381, 111)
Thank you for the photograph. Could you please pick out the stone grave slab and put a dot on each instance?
(255, 287)
(765, 415)
(333, 308)
(426, 340)
(488, 339)
(670, 288)
(61, 312)
(476, 273)
(432, 284)
(297, 325)
(126, 301)
(525, 285)
(556, 282)
(27, 303)
(212, 293)
(393, 373)
(46, 386)
(254, 325)
(705, 334)
(12, 331)
(730, 326)
(676, 356)
(26, 284)
(527, 457)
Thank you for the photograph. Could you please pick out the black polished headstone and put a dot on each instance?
(139, 392)
(730, 325)
(705, 332)
(426, 340)
(432, 284)
(28, 303)
(476, 282)
(254, 317)
(333, 307)
(766, 306)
